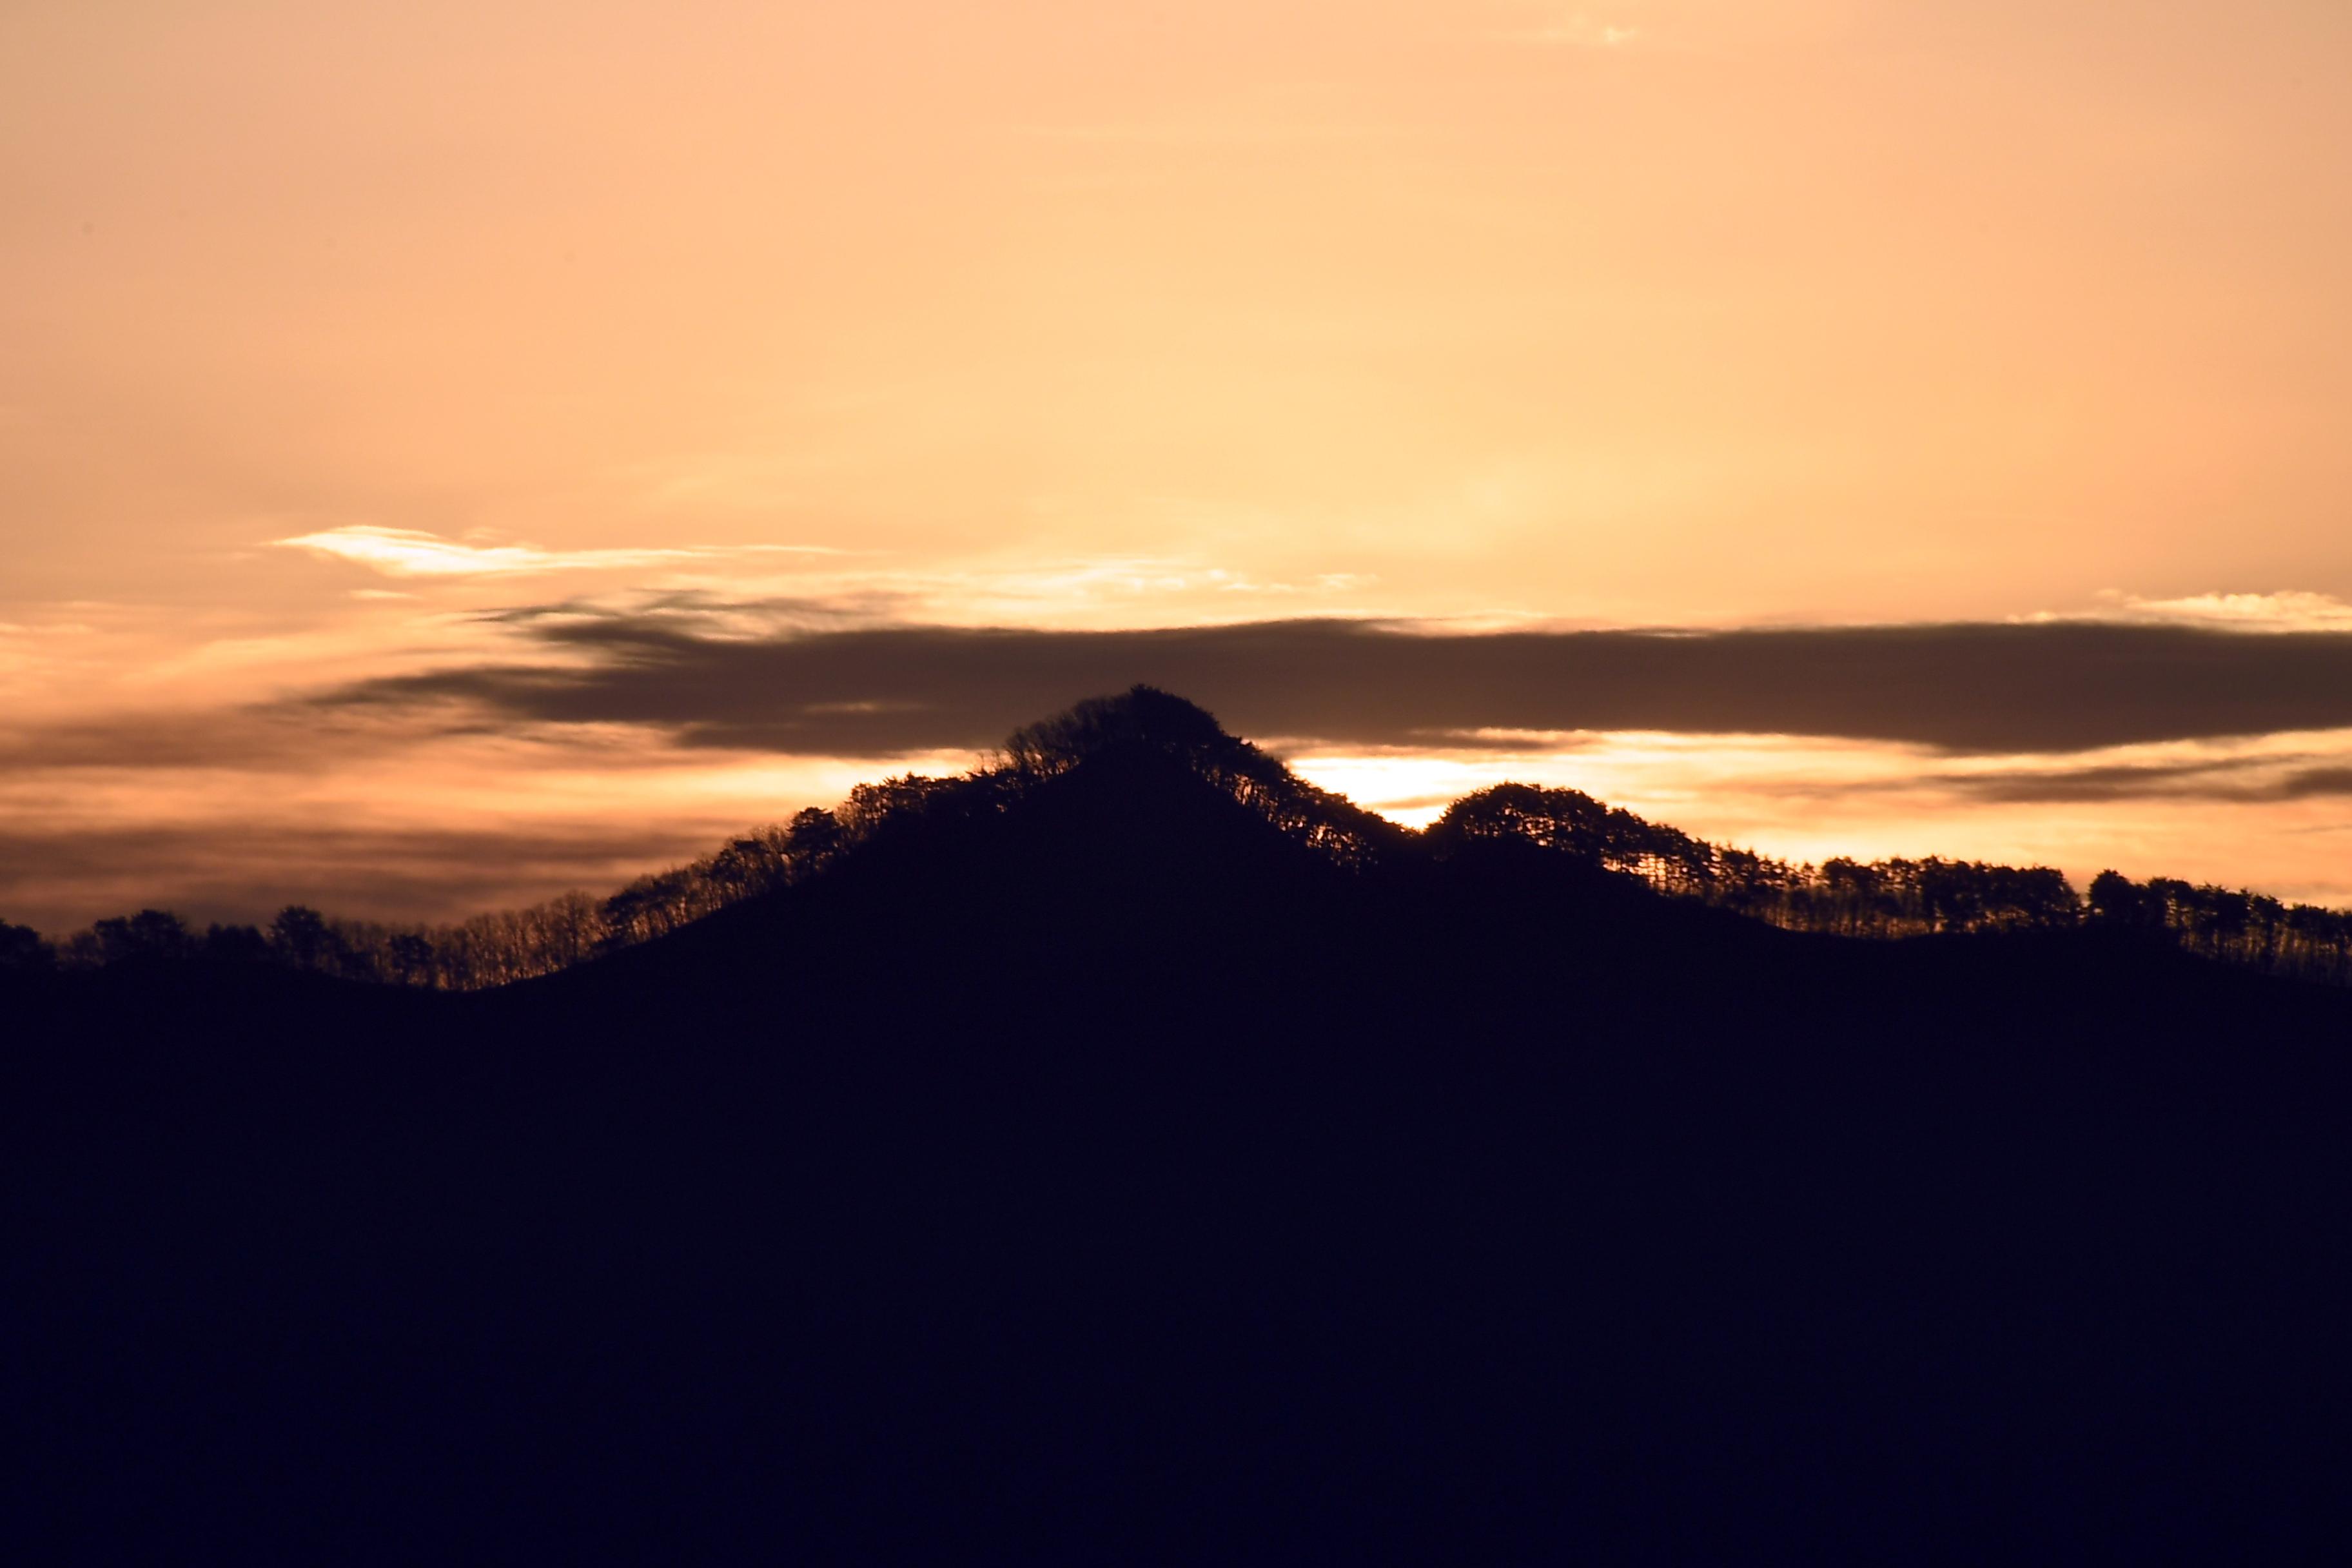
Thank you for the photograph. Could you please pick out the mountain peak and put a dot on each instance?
(1141, 718)
(1145, 723)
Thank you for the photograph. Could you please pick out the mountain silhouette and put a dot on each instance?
(1134, 1153)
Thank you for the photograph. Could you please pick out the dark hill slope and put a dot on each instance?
(1111, 1175)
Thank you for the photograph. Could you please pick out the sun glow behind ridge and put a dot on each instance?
(1807, 800)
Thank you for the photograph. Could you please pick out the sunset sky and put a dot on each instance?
(454, 452)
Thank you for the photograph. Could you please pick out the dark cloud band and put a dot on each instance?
(2247, 781)
(2045, 687)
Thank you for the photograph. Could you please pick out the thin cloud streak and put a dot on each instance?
(2286, 611)
(411, 553)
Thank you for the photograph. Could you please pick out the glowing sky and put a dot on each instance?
(338, 342)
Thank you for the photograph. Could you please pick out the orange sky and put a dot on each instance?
(1061, 313)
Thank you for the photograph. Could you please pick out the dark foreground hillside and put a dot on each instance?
(1117, 1178)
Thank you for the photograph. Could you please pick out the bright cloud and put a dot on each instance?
(411, 553)
(2289, 611)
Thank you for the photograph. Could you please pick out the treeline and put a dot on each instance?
(2302, 941)
(1908, 898)
(507, 945)
(1884, 898)
(486, 949)
(1850, 898)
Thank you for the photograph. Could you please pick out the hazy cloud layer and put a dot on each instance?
(242, 871)
(2045, 688)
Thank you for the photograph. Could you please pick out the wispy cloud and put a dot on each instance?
(1674, 26)
(801, 585)
(2291, 610)
(1028, 592)
(1573, 27)
(411, 553)
(1582, 32)
(2280, 612)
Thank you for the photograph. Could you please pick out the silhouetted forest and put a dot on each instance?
(1131, 1154)
(1882, 899)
